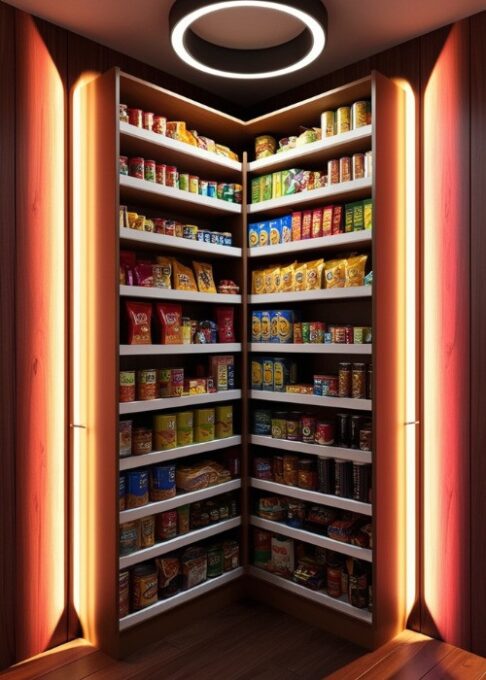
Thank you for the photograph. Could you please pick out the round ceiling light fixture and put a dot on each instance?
(248, 64)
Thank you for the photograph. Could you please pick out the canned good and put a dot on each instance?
(360, 114)
(358, 334)
(123, 593)
(279, 425)
(212, 189)
(166, 525)
(358, 388)
(127, 386)
(238, 193)
(224, 422)
(328, 123)
(316, 332)
(325, 475)
(367, 335)
(148, 120)
(229, 193)
(184, 181)
(203, 187)
(165, 429)
(220, 190)
(333, 574)
(358, 590)
(147, 532)
(176, 382)
(343, 119)
(137, 488)
(141, 441)
(366, 439)
(144, 586)
(324, 433)
(162, 482)
(327, 337)
(356, 423)
(342, 428)
(172, 177)
(227, 238)
(160, 173)
(361, 482)
(231, 555)
(262, 422)
(348, 335)
(333, 171)
(123, 165)
(136, 167)
(343, 478)
(147, 384)
(160, 125)
(308, 424)
(125, 438)
(326, 385)
(344, 389)
(183, 520)
(358, 165)
(277, 469)
(339, 335)
(265, 327)
(345, 169)
(122, 492)
(294, 431)
(135, 117)
(193, 184)
(190, 232)
(204, 420)
(185, 428)
(295, 514)
(290, 470)
(307, 475)
(129, 538)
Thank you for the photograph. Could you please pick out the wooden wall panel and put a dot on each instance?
(446, 322)
(478, 334)
(7, 334)
(41, 558)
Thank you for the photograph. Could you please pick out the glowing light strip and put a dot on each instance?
(315, 28)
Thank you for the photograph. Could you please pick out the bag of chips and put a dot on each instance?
(335, 273)
(287, 278)
(313, 275)
(258, 282)
(183, 277)
(169, 317)
(300, 276)
(225, 318)
(355, 271)
(163, 273)
(139, 316)
(204, 277)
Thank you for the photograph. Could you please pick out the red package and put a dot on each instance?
(169, 317)
(337, 220)
(306, 224)
(139, 315)
(225, 318)
(128, 260)
(144, 275)
(316, 223)
(327, 220)
(296, 226)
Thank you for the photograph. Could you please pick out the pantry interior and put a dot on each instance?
(234, 480)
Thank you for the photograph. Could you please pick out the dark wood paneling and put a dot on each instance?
(446, 322)
(478, 333)
(41, 556)
(7, 333)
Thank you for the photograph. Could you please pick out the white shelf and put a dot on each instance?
(147, 238)
(339, 604)
(179, 542)
(178, 295)
(174, 601)
(311, 295)
(314, 539)
(156, 457)
(352, 239)
(345, 144)
(312, 496)
(181, 499)
(177, 402)
(311, 400)
(354, 455)
(134, 190)
(157, 350)
(150, 144)
(310, 348)
(356, 189)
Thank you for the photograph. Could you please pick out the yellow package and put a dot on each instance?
(162, 275)
(335, 273)
(313, 275)
(271, 280)
(257, 282)
(277, 279)
(300, 276)
(183, 277)
(355, 271)
(287, 278)
(204, 277)
(132, 218)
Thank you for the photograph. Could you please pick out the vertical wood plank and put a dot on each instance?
(7, 334)
(478, 333)
(446, 321)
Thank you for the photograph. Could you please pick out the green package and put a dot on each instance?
(266, 187)
(358, 216)
(368, 213)
(255, 190)
(348, 217)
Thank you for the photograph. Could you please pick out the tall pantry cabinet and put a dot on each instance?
(99, 349)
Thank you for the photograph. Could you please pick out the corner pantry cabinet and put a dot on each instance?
(100, 351)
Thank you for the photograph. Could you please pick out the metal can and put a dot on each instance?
(123, 165)
(162, 482)
(328, 123)
(342, 430)
(330, 385)
(307, 475)
(277, 469)
(333, 581)
(183, 520)
(358, 163)
(308, 424)
(160, 125)
(190, 232)
(203, 187)
(229, 193)
(339, 335)
(325, 475)
(212, 189)
(333, 171)
(136, 167)
(290, 464)
(266, 327)
(348, 335)
(149, 172)
(306, 332)
(166, 525)
(224, 421)
(125, 438)
(148, 120)
(147, 532)
(220, 190)
(238, 193)
(344, 389)
(193, 184)
(358, 334)
(127, 386)
(144, 586)
(324, 433)
(135, 117)
(343, 478)
(123, 593)
(215, 561)
(137, 488)
(343, 119)
(184, 181)
(360, 114)
(369, 164)
(279, 425)
(355, 425)
(147, 384)
(365, 439)
(160, 173)
(122, 492)
(262, 422)
(172, 177)
(294, 431)
(327, 337)
(185, 428)
(227, 238)
(358, 388)
(361, 482)
(165, 428)
(129, 538)
(367, 334)
(142, 438)
(345, 169)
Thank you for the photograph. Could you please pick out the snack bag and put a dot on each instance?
(300, 276)
(272, 280)
(355, 271)
(335, 273)
(204, 277)
(313, 275)
(183, 277)
(258, 282)
(287, 278)
(169, 317)
(162, 276)
(225, 319)
(139, 315)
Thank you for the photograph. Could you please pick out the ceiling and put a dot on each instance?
(356, 29)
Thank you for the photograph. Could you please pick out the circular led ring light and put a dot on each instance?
(247, 64)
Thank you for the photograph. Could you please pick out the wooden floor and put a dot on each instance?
(253, 642)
